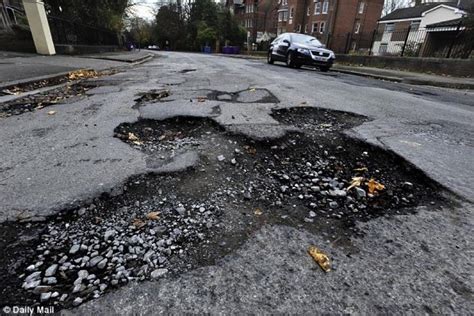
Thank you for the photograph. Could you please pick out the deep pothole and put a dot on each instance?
(167, 224)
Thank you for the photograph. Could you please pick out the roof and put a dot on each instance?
(454, 22)
(414, 12)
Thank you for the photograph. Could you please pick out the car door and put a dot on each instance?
(274, 46)
(283, 46)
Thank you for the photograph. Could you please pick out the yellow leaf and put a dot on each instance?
(356, 182)
(51, 112)
(320, 257)
(252, 89)
(361, 169)
(374, 186)
(153, 216)
(258, 212)
(132, 137)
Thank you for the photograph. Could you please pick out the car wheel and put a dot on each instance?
(270, 58)
(289, 60)
(324, 68)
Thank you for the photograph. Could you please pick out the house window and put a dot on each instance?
(361, 7)
(308, 11)
(357, 28)
(306, 28)
(285, 2)
(285, 15)
(280, 16)
(383, 49)
(325, 7)
(292, 12)
(315, 27)
(414, 26)
(298, 28)
(322, 27)
(317, 8)
(389, 27)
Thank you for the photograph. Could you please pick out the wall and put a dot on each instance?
(440, 66)
(439, 15)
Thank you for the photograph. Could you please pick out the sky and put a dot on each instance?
(145, 8)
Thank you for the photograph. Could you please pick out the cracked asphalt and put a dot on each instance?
(417, 263)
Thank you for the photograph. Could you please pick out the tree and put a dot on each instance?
(392, 5)
(195, 24)
(140, 31)
(169, 27)
(205, 34)
(107, 14)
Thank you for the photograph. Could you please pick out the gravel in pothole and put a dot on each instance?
(113, 241)
(165, 224)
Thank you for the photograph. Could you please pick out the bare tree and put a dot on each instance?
(392, 5)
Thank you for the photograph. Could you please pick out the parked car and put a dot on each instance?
(297, 50)
(153, 47)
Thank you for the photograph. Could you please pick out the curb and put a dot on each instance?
(363, 74)
(129, 61)
(411, 81)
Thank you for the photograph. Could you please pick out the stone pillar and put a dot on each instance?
(39, 27)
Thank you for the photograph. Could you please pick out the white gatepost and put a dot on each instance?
(39, 27)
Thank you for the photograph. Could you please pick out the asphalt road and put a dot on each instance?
(52, 162)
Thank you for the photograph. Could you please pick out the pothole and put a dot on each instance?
(167, 224)
(252, 95)
(39, 101)
(30, 86)
(151, 96)
(186, 71)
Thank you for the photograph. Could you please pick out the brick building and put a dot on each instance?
(258, 17)
(343, 25)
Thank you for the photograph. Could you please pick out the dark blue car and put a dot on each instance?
(297, 50)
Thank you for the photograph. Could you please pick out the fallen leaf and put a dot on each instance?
(320, 257)
(252, 89)
(153, 216)
(201, 99)
(138, 223)
(361, 169)
(374, 186)
(132, 137)
(356, 182)
(51, 112)
(250, 150)
(258, 212)
(82, 74)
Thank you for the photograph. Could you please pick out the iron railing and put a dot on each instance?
(453, 41)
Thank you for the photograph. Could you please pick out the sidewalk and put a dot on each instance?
(407, 77)
(391, 75)
(16, 67)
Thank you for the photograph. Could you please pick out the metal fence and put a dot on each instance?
(71, 33)
(454, 41)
